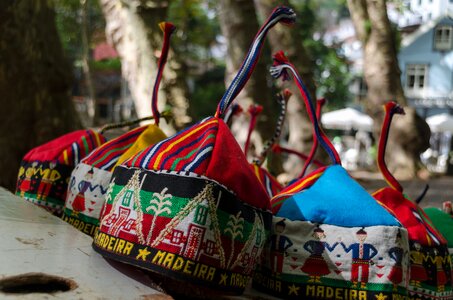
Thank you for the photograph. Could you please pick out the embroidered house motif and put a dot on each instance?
(197, 228)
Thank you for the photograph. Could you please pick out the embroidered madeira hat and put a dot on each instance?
(45, 170)
(430, 262)
(330, 239)
(90, 179)
(190, 208)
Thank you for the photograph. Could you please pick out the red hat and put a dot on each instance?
(45, 170)
(190, 208)
(431, 263)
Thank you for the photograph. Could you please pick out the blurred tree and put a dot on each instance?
(410, 135)
(35, 80)
(79, 23)
(132, 27)
(239, 24)
(195, 45)
(323, 71)
(291, 41)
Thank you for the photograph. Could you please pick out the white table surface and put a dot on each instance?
(34, 241)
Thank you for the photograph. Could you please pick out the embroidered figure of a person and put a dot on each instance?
(78, 204)
(279, 244)
(439, 261)
(397, 254)
(418, 271)
(362, 254)
(315, 265)
(27, 182)
(49, 177)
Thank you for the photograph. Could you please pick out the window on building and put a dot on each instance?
(258, 237)
(176, 237)
(129, 225)
(443, 38)
(416, 77)
(210, 246)
(127, 198)
(201, 214)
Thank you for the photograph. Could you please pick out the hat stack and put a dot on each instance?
(430, 263)
(90, 179)
(45, 170)
(190, 208)
(330, 239)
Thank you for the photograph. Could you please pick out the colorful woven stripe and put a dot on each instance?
(319, 104)
(279, 69)
(67, 149)
(233, 110)
(390, 108)
(281, 14)
(182, 151)
(168, 29)
(282, 100)
(296, 187)
(106, 156)
(268, 181)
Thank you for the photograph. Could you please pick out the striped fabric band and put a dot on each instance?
(106, 156)
(271, 185)
(81, 148)
(390, 108)
(282, 100)
(280, 14)
(296, 187)
(319, 104)
(187, 151)
(280, 67)
(168, 29)
(234, 110)
(432, 236)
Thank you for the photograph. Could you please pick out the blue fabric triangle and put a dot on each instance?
(336, 199)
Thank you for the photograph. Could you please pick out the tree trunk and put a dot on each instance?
(239, 24)
(93, 111)
(35, 80)
(410, 135)
(132, 27)
(288, 40)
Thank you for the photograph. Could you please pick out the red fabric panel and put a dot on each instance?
(229, 167)
(52, 150)
(403, 209)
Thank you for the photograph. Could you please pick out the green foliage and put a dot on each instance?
(197, 32)
(209, 89)
(331, 72)
(197, 29)
(69, 19)
(332, 78)
(106, 64)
